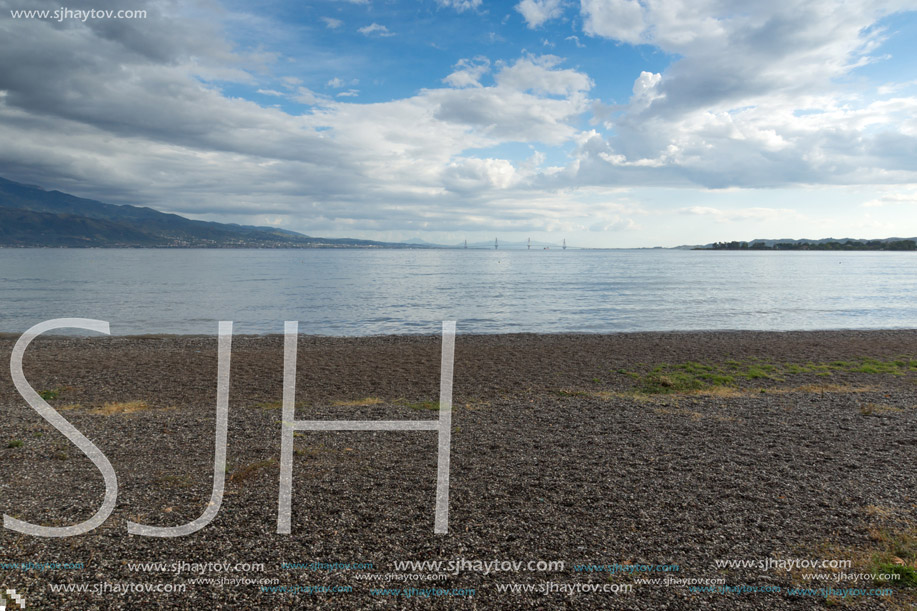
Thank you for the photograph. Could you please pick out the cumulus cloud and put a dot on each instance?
(472, 174)
(540, 75)
(468, 72)
(331, 23)
(101, 115)
(618, 19)
(646, 89)
(136, 112)
(752, 98)
(537, 12)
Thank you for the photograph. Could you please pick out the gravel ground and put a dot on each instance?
(554, 458)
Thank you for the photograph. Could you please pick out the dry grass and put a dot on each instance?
(359, 402)
(637, 397)
(128, 407)
(309, 451)
(875, 409)
(892, 548)
(269, 405)
(727, 392)
(826, 388)
(250, 470)
(877, 511)
(723, 392)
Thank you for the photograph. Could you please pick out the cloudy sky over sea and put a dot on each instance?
(611, 123)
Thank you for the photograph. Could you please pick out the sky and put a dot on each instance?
(608, 123)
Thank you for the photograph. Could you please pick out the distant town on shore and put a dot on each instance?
(826, 244)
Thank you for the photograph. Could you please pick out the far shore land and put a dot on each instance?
(632, 449)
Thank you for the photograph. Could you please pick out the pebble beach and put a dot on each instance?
(618, 459)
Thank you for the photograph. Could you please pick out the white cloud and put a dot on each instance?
(750, 101)
(468, 72)
(646, 89)
(331, 23)
(576, 41)
(160, 132)
(539, 74)
(537, 12)
(618, 19)
(460, 5)
(375, 28)
(736, 106)
(304, 95)
(472, 174)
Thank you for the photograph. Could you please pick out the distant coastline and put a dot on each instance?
(895, 244)
(33, 217)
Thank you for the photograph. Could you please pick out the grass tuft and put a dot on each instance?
(693, 377)
(906, 575)
(423, 405)
(128, 407)
(248, 471)
(358, 402)
(876, 409)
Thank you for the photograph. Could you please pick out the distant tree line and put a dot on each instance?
(831, 245)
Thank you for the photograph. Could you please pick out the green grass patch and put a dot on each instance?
(49, 395)
(14, 443)
(658, 382)
(692, 376)
(907, 576)
(897, 555)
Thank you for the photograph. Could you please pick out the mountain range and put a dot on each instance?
(31, 216)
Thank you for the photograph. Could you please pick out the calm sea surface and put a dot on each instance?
(370, 292)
